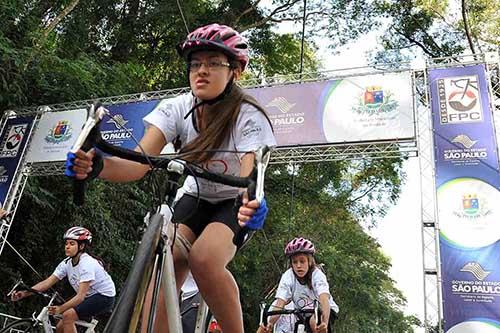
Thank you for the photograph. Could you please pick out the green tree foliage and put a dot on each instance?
(112, 47)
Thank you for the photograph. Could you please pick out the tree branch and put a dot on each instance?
(413, 40)
(269, 18)
(56, 20)
(466, 26)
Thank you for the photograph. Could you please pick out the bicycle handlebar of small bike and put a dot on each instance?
(265, 313)
(21, 286)
(90, 136)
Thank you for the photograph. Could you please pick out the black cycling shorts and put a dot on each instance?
(94, 305)
(197, 215)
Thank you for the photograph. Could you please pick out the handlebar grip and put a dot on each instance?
(79, 185)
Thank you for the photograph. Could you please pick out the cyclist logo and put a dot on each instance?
(10, 145)
(375, 100)
(61, 132)
(459, 100)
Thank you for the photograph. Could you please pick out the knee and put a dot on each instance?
(69, 316)
(202, 264)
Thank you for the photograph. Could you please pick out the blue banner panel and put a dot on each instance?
(12, 144)
(468, 197)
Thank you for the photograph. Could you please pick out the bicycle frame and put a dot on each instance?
(163, 268)
(43, 315)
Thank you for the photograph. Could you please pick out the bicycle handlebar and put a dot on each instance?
(265, 313)
(21, 286)
(90, 136)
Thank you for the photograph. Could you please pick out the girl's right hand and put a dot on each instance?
(18, 295)
(264, 329)
(82, 164)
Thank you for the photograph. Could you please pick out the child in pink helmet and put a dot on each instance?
(302, 284)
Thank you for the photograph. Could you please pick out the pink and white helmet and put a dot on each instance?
(299, 245)
(78, 234)
(219, 38)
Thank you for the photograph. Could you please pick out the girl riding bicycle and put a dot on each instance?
(95, 290)
(216, 122)
(303, 283)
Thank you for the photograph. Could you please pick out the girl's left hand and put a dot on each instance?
(54, 310)
(247, 209)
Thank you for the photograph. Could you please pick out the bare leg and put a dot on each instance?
(60, 327)
(181, 271)
(69, 318)
(208, 259)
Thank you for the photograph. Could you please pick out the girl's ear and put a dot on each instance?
(237, 73)
(81, 246)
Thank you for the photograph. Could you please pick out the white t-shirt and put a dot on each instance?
(189, 288)
(303, 297)
(251, 131)
(88, 269)
(285, 323)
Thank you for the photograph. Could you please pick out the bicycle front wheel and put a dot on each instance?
(23, 326)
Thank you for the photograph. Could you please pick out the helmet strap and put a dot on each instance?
(221, 96)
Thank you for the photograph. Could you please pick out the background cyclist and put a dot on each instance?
(303, 283)
(216, 115)
(95, 290)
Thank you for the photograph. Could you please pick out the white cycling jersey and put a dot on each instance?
(251, 131)
(87, 269)
(290, 288)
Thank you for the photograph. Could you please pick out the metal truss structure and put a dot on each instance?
(421, 146)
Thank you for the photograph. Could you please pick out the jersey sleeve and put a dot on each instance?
(252, 129)
(168, 116)
(88, 269)
(60, 272)
(284, 290)
(320, 283)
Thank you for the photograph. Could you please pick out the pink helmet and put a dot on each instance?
(78, 234)
(219, 38)
(299, 245)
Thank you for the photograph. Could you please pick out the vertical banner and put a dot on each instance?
(468, 199)
(12, 145)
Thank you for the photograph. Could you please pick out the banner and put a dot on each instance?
(468, 198)
(13, 140)
(55, 134)
(357, 109)
(57, 131)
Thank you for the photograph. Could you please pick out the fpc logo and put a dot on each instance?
(459, 100)
(11, 143)
(62, 131)
(375, 100)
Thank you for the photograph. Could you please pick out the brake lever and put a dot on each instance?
(95, 115)
(14, 289)
(262, 156)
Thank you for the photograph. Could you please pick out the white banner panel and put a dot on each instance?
(369, 108)
(55, 134)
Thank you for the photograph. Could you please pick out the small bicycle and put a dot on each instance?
(153, 257)
(41, 322)
(300, 315)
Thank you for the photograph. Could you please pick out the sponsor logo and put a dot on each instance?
(281, 104)
(469, 154)
(120, 133)
(61, 132)
(286, 117)
(118, 120)
(375, 100)
(459, 100)
(472, 207)
(11, 143)
(251, 128)
(464, 140)
(475, 269)
(3, 177)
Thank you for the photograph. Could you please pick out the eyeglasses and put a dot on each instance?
(195, 65)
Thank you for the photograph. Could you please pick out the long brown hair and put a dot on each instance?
(219, 120)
